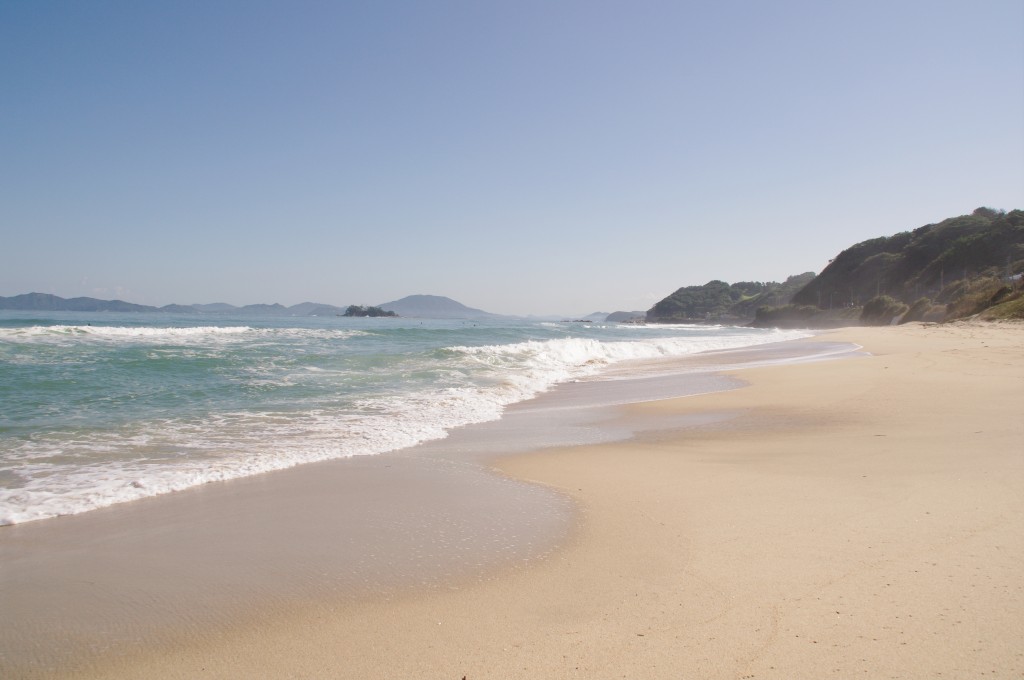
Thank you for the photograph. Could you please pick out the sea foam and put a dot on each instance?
(295, 395)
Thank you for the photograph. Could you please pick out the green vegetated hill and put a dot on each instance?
(960, 267)
(719, 301)
(963, 266)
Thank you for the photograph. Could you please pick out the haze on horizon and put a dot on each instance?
(521, 158)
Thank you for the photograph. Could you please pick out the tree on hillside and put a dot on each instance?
(360, 310)
(922, 262)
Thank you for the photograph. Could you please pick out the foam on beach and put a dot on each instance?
(427, 517)
(184, 406)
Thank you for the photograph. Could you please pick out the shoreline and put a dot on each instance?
(172, 568)
(792, 540)
(111, 452)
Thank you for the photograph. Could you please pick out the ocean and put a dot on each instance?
(102, 408)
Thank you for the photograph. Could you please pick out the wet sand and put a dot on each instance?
(861, 517)
(174, 569)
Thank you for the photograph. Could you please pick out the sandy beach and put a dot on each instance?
(862, 517)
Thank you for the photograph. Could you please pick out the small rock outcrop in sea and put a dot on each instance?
(360, 310)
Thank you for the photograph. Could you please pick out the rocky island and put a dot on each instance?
(361, 310)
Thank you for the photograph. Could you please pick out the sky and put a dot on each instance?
(521, 157)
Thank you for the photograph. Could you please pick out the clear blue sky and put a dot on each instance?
(521, 157)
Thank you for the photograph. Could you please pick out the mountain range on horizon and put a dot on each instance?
(958, 267)
(414, 306)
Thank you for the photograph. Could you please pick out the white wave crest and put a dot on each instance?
(153, 457)
(58, 334)
(575, 357)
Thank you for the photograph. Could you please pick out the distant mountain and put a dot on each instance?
(274, 309)
(179, 309)
(314, 309)
(301, 309)
(962, 266)
(216, 307)
(421, 306)
(433, 307)
(621, 317)
(47, 302)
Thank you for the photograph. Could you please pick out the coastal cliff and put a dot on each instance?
(960, 267)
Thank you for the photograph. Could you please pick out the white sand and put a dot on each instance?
(857, 518)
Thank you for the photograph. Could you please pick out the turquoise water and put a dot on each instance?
(101, 408)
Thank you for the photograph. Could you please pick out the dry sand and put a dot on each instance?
(856, 518)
